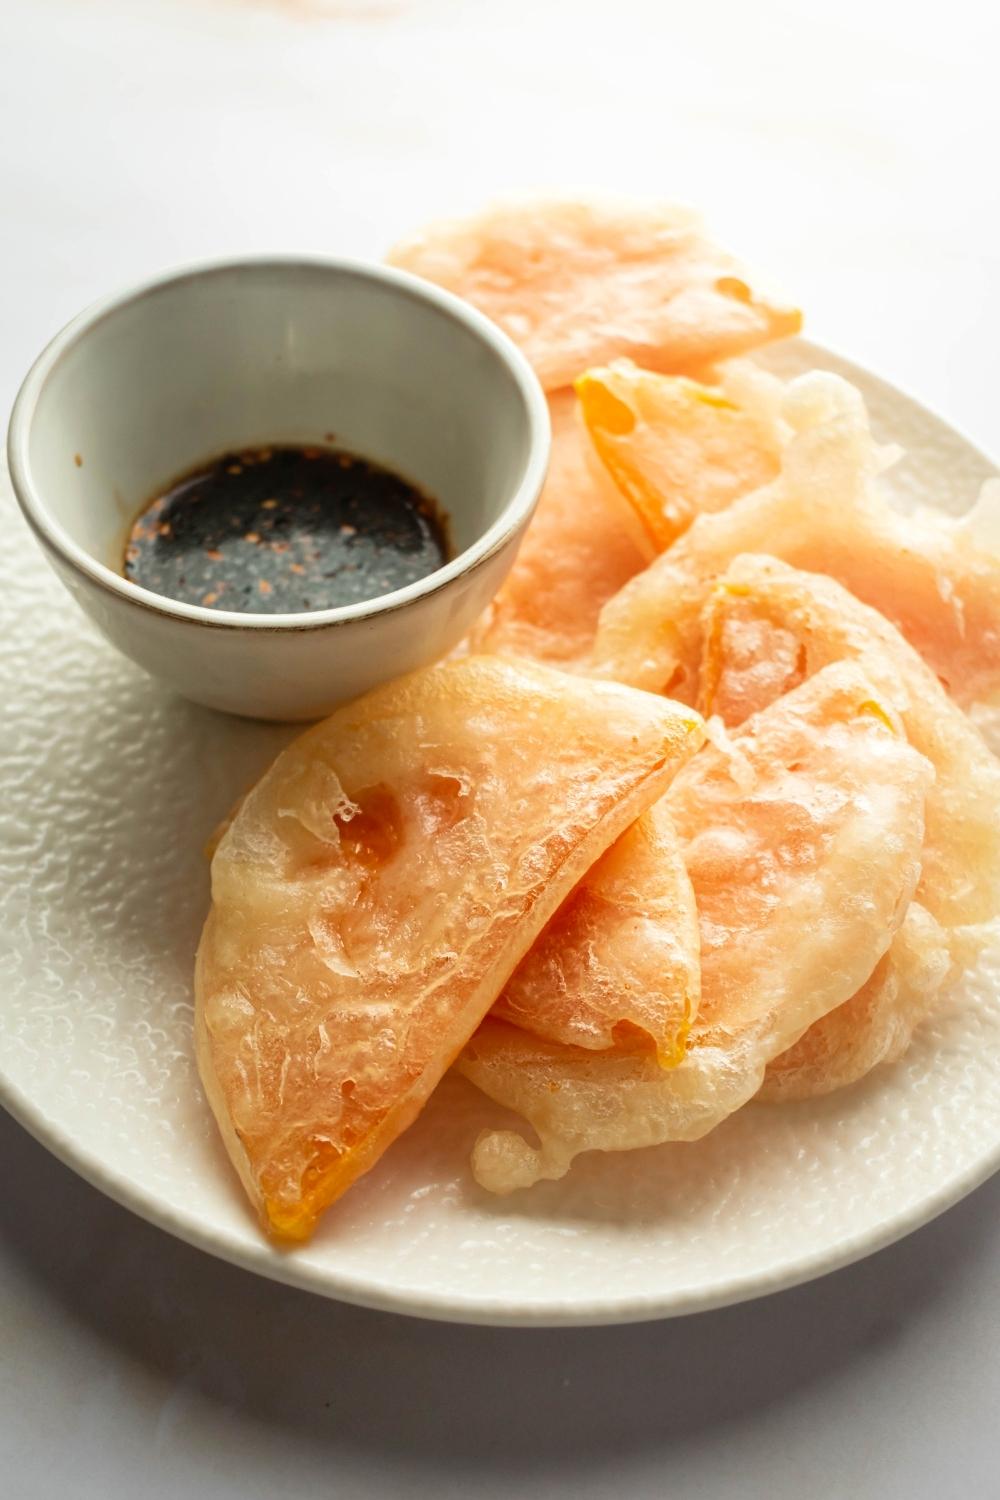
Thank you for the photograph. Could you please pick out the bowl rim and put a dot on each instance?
(514, 515)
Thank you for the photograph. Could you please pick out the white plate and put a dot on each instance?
(110, 789)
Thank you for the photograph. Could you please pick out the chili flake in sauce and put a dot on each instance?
(280, 530)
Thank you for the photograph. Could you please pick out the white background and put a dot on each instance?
(851, 150)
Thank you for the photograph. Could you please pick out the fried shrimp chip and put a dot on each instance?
(377, 888)
(767, 626)
(619, 960)
(803, 843)
(876, 1025)
(579, 283)
(678, 449)
(938, 582)
(579, 549)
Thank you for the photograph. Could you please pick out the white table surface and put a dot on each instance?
(851, 150)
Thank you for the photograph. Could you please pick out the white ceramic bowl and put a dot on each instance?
(227, 355)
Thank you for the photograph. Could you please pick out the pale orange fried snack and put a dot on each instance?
(768, 626)
(579, 549)
(938, 582)
(677, 448)
(619, 960)
(802, 839)
(375, 891)
(578, 283)
(876, 1025)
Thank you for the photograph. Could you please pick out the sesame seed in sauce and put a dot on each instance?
(285, 530)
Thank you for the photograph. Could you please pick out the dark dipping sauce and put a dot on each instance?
(282, 530)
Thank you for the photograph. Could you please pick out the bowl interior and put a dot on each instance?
(256, 353)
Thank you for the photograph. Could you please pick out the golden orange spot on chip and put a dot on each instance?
(878, 712)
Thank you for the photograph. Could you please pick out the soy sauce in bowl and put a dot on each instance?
(284, 530)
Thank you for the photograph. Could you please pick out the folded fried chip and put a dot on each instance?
(803, 841)
(579, 283)
(376, 889)
(768, 626)
(678, 449)
(619, 960)
(938, 582)
(578, 551)
(876, 1025)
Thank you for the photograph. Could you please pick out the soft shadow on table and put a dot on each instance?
(341, 1377)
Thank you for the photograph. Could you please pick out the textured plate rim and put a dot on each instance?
(371, 1292)
(498, 1312)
